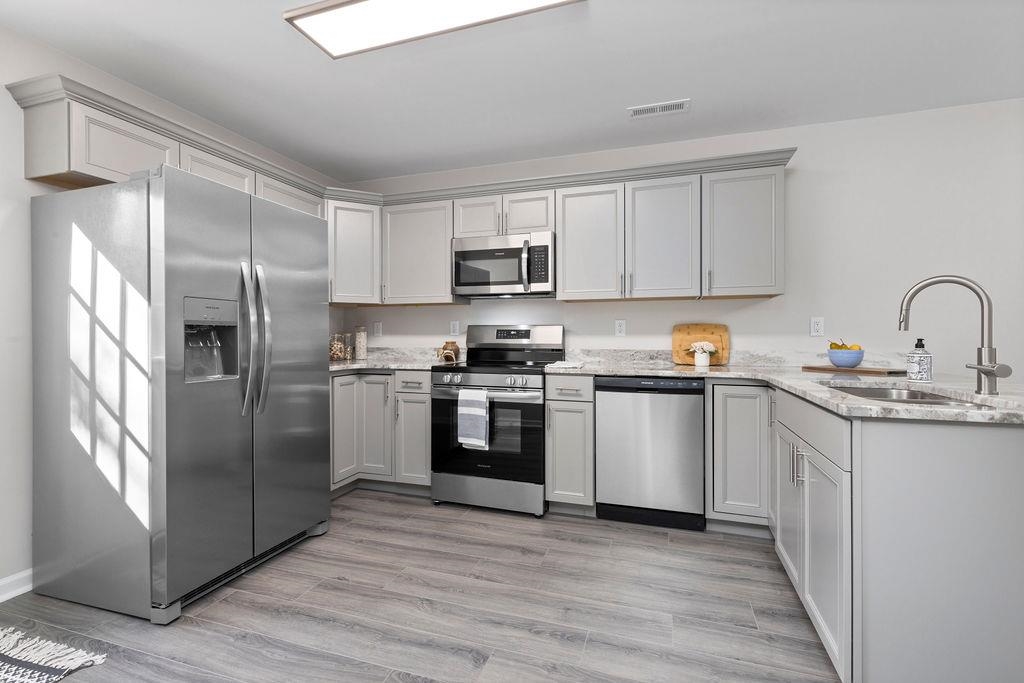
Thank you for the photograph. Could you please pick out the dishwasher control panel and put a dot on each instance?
(666, 384)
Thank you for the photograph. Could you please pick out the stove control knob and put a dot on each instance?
(446, 379)
(510, 381)
(522, 381)
(457, 379)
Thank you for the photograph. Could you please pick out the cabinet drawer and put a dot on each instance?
(413, 381)
(826, 432)
(569, 388)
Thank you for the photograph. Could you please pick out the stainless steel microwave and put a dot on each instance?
(504, 265)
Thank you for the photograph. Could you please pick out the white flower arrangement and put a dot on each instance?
(703, 347)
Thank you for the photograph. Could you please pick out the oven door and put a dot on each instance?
(516, 436)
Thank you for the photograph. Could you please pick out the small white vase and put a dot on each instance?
(701, 359)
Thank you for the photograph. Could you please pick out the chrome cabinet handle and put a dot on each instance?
(568, 390)
(622, 284)
(411, 382)
(547, 422)
(268, 339)
(792, 465)
(709, 281)
(524, 262)
(506, 222)
(798, 476)
(250, 303)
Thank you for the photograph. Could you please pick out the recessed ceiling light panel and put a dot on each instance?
(347, 27)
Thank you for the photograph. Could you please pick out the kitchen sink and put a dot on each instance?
(911, 397)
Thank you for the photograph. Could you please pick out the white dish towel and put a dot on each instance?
(473, 418)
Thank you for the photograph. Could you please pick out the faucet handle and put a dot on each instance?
(1000, 370)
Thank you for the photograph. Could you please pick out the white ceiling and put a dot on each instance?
(552, 83)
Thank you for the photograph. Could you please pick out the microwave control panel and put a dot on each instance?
(539, 264)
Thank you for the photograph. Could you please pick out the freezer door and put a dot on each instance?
(291, 422)
(202, 466)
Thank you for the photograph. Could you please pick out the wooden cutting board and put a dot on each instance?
(685, 334)
(861, 370)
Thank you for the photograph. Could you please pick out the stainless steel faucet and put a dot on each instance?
(988, 369)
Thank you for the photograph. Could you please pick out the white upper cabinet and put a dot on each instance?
(355, 252)
(417, 253)
(109, 148)
(219, 170)
(508, 214)
(663, 238)
(292, 197)
(590, 236)
(478, 216)
(740, 445)
(743, 232)
(529, 212)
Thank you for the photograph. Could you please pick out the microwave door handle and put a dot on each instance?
(524, 266)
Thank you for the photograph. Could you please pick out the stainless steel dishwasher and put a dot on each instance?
(650, 450)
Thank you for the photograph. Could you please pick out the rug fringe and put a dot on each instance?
(17, 645)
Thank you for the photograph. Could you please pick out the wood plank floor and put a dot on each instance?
(401, 590)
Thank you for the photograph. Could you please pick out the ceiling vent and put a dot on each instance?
(659, 109)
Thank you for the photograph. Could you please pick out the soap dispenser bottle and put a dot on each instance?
(919, 363)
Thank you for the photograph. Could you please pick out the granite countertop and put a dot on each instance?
(818, 388)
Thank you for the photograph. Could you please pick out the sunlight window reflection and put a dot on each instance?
(80, 413)
(136, 326)
(80, 274)
(108, 369)
(108, 437)
(136, 481)
(78, 335)
(136, 403)
(108, 295)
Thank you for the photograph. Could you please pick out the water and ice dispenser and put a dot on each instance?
(211, 339)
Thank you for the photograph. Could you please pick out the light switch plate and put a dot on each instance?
(378, 328)
(453, 327)
(817, 327)
(620, 328)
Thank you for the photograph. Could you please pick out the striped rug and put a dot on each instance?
(24, 659)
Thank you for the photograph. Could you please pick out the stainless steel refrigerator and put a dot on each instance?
(180, 389)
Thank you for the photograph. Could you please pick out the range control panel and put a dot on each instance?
(512, 334)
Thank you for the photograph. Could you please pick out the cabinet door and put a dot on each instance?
(354, 242)
(292, 197)
(569, 457)
(344, 427)
(773, 467)
(529, 212)
(590, 241)
(478, 216)
(742, 230)
(740, 450)
(104, 146)
(219, 170)
(418, 253)
(828, 544)
(412, 438)
(663, 238)
(376, 425)
(789, 539)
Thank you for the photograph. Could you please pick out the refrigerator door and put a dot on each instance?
(202, 467)
(291, 422)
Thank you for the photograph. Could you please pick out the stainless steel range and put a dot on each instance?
(487, 433)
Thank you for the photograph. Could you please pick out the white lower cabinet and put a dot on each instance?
(828, 544)
(412, 438)
(789, 536)
(814, 533)
(379, 433)
(773, 467)
(569, 452)
(344, 428)
(740, 446)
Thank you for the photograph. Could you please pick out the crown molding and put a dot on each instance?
(357, 196)
(53, 87)
(733, 162)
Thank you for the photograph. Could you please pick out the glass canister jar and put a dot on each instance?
(361, 343)
(336, 352)
(349, 350)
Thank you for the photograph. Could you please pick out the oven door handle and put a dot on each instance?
(499, 395)
(524, 266)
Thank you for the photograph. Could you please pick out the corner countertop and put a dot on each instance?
(818, 388)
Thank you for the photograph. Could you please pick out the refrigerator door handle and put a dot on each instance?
(268, 339)
(250, 304)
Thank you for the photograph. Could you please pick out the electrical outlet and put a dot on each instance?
(620, 328)
(453, 327)
(817, 327)
(378, 328)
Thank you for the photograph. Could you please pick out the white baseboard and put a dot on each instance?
(15, 584)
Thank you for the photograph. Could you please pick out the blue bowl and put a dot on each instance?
(845, 358)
